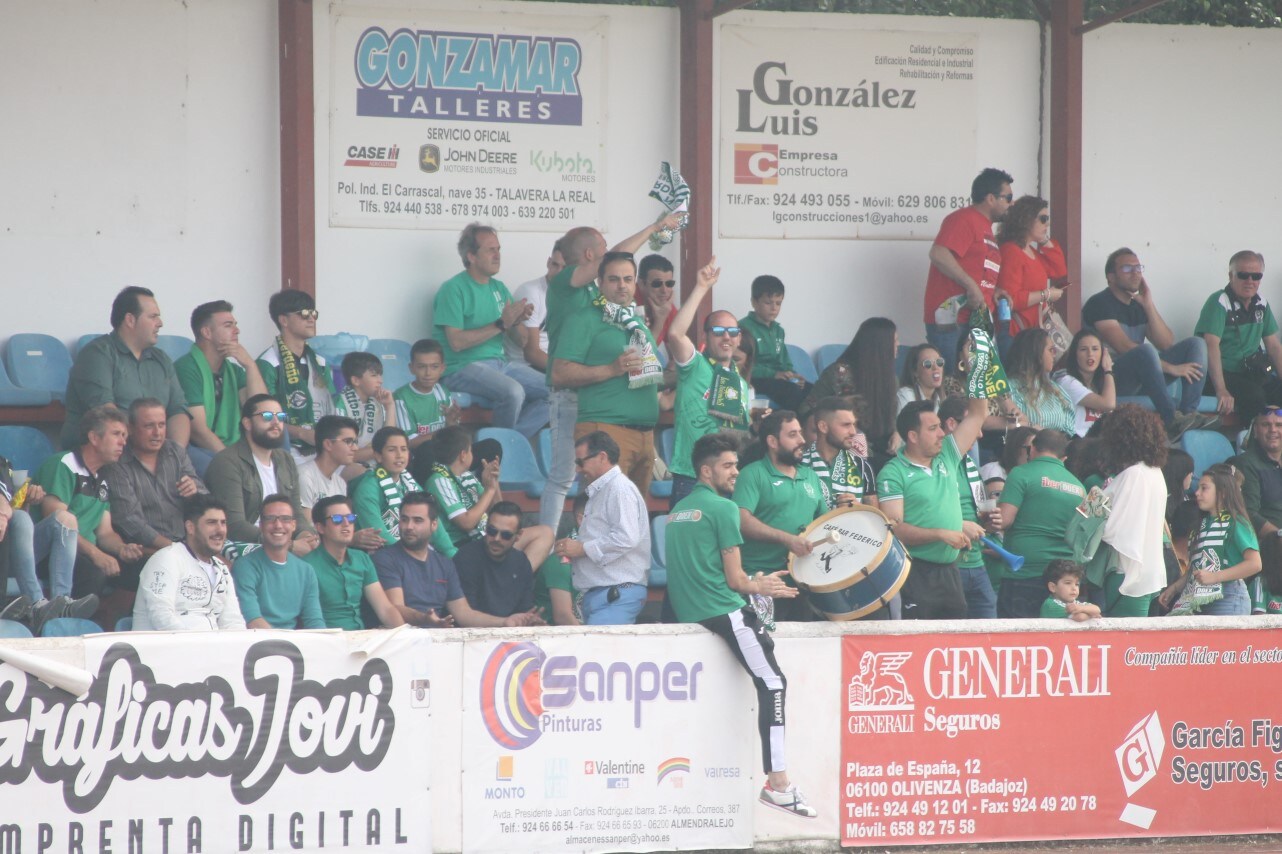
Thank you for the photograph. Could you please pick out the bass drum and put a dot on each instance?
(859, 573)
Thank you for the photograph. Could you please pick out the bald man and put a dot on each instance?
(711, 395)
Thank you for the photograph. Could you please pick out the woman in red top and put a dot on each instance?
(1030, 260)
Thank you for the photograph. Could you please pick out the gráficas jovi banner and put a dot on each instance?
(259, 741)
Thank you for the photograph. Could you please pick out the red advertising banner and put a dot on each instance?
(1060, 735)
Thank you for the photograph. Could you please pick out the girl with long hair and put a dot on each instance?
(866, 368)
(922, 377)
(1086, 376)
(1137, 448)
(1028, 367)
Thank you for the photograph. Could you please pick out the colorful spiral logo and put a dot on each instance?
(512, 694)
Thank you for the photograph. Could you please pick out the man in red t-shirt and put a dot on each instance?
(964, 261)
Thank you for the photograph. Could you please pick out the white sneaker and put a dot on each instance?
(790, 800)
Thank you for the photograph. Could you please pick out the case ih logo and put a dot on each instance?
(756, 163)
(377, 156)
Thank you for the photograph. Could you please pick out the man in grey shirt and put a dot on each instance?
(148, 485)
(611, 555)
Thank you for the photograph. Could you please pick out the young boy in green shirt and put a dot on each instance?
(1064, 581)
(772, 373)
(365, 401)
(423, 405)
(377, 494)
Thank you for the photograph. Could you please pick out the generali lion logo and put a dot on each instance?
(878, 687)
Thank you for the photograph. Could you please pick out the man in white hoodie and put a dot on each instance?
(186, 586)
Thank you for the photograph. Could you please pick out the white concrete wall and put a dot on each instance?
(140, 147)
(1180, 157)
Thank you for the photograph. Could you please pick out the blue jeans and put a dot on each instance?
(1236, 602)
(598, 611)
(1139, 371)
(200, 459)
(32, 543)
(519, 393)
(563, 412)
(981, 601)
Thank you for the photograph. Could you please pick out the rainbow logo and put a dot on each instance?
(512, 694)
(668, 766)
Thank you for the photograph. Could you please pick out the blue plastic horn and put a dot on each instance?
(1014, 561)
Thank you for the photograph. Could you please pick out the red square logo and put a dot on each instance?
(756, 163)
(587, 767)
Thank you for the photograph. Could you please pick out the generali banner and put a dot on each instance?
(1059, 735)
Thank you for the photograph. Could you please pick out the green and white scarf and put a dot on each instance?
(366, 416)
(224, 423)
(394, 491)
(623, 317)
(844, 476)
(728, 396)
(292, 390)
(987, 377)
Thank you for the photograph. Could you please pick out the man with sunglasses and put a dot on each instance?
(497, 578)
(295, 374)
(711, 395)
(255, 466)
(1242, 340)
(345, 575)
(965, 261)
(1145, 353)
(611, 555)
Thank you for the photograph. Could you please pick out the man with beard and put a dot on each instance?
(277, 590)
(497, 578)
(711, 395)
(421, 583)
(846, 478)
(778, 498)
(258, 465)
(965, 261)
(186, 586)
(707, 584)
(920, 492)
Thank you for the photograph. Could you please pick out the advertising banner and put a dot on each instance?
(645, 744)
(438, 119)
(1059, 735)
(845, 133)
(253, 741)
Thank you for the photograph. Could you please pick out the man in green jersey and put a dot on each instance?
(707, 584)
(711, 394)
(919, 491)
(471, 313)
(1238, 324)
(778, 498)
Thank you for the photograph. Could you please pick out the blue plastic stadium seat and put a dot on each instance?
(827, 354)
(335, 347)
(40, 362)
(667, 440)
(11, 395)
(520, 469)
(24, 447)
(69, 627)
(395, 356)
(1207, 404)
(802, 363)
(85, 339)
(658, 552)
(1206, 447)
(660, 489)
(11, 629)
(125, 624)
(174, 346)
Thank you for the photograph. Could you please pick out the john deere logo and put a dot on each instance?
(429, 158)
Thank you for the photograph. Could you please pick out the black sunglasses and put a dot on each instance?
(1243, 275)
(505, 536)
(664, 283)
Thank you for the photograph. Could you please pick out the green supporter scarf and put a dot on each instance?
(987, 377)
(394, 492)
(728, 396)
(623, 317)
(292, 390)
(224, 422)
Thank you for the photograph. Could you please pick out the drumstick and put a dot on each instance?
(825, 538)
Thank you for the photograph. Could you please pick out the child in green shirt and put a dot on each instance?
(1064, 581)
(423, 405)
(772, 373)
